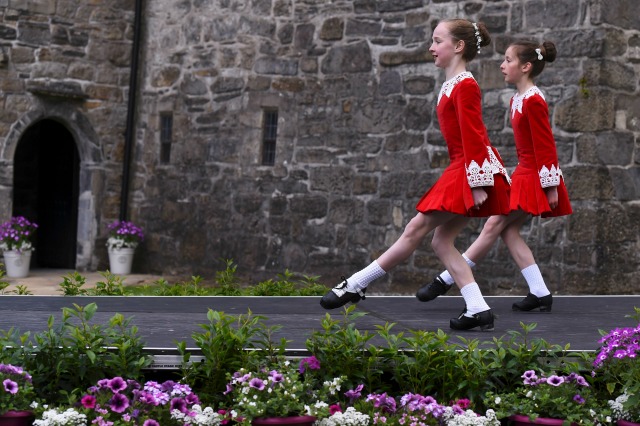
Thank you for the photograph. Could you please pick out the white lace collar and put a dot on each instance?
(447, 86)
(516, 105)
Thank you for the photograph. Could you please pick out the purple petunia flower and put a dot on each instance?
(119, 403)
(353, 394)
(275, 377)
(555, 380)
(117, 384)
(529, 377)
(179, 404)
(385, 403)
(150, 422)
(580, 400)
(229, 389)
(10, 386)
(311, 362)
(257, 383)
(192, 399)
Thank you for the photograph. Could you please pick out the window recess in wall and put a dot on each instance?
(269, 136)
(166, 137)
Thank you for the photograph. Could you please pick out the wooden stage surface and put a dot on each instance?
(163, 321)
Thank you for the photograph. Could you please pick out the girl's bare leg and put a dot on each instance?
(412, 237)
(539, 295)
(352, 289)
(491, 231)
(520, 251)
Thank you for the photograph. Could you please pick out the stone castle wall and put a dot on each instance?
(358, 141)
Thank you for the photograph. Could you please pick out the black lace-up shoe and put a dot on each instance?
(431, 291)
(532, 302)
(483, 319)
(339, 296)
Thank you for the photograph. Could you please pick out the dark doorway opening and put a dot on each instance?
(45, 190)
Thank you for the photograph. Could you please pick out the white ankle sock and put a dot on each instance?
(361, 279)
(473, 298)
(446, 276)
(537, 287)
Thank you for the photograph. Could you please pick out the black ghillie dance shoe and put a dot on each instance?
(339, 296)
(532, 302)
(483, 319)
(431, 291)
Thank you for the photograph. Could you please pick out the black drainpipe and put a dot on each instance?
(131, 111)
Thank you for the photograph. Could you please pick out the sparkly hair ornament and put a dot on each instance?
(539, 52)
(478, 36)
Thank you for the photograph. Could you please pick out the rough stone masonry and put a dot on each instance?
(354, 89)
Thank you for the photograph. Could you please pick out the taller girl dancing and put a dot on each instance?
(475, 184)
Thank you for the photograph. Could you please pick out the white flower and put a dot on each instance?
(117, 243)
(469, 418)
(54, 417)
(350, 417)
(498, 400)
(198, 416)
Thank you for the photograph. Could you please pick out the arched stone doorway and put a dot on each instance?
(46, 188)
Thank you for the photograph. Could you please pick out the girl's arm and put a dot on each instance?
(468, 107)
(544, 145)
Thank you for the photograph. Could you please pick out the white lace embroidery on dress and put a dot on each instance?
(483, 176)
(516, 105)
(447, 86)
(550, 177)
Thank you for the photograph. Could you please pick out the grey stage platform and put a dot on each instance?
(162, 321)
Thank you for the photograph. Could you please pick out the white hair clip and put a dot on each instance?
(477, 34)
(539, 52)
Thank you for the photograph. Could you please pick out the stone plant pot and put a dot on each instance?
(627, 423)
(16, 263)
(522, 420)
(289, 421)
(17, 418)
(120, 260)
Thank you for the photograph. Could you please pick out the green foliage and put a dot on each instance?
(227, 282)
(227, 343)
(287, 285)
(163, 288)
(111, 286)
(71, 284)
(71, 356)
(3, 283)
(22, 290)
(341, 347)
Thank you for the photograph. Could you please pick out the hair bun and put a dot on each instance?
(549, 51)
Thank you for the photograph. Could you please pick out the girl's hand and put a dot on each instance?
(552, 196)
(479, 197)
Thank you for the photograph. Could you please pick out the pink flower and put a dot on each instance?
(88, 401)
(311, 362)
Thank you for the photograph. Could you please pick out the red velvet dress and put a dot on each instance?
(538, 166)
(473, 161)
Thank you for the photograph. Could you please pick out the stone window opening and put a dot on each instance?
(166, 137)
(269, 136)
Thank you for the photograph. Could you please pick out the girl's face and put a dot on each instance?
(511, 67)
(444, 47)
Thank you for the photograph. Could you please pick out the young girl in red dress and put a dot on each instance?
(475, 184)
(537, 188)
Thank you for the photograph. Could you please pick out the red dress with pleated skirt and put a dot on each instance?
(538, 166)
(474, 162)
